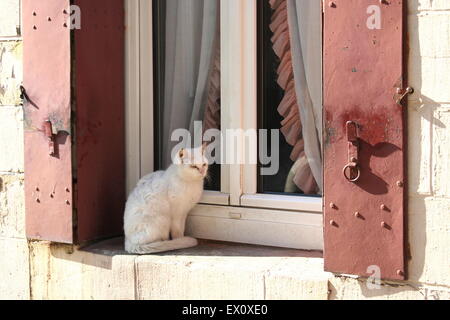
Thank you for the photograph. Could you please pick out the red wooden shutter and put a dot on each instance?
(363, 69)
(48, 179)
(74, 120)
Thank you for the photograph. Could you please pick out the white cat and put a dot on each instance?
(156, 210)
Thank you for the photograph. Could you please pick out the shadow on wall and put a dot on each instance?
(420, 108)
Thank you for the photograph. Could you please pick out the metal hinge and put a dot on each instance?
(47, 127)
(403, 93)
(24, 96)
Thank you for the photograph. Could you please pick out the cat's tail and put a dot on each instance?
(161, 246)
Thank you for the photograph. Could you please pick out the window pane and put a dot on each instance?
(290, 93)
(187, 72)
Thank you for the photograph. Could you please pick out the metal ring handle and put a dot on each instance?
(352, 165)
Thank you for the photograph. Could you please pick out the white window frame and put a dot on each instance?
(237, 213)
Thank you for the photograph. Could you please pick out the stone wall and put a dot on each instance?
(14, 258)
(42, 270)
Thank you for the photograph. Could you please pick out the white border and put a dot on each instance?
(132, 93)
(146, 84)
(139, 91)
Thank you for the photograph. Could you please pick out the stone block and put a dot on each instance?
(11, 139)
(203, 278)
(9, 18)
(14, 270)
(429, 240)
(342, 288)
(11, 72)
(12, 210)
(297, 279)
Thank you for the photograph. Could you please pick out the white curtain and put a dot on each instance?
(305, 27)
(191, 36)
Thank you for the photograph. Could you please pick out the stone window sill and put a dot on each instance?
(218, 270)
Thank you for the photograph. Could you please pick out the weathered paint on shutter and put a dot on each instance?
(75, 81)
(363, 68)
(100, 118)
(48, 178)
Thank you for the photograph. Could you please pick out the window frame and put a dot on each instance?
(237, 213)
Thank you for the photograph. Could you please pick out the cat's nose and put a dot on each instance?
(203, 170)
